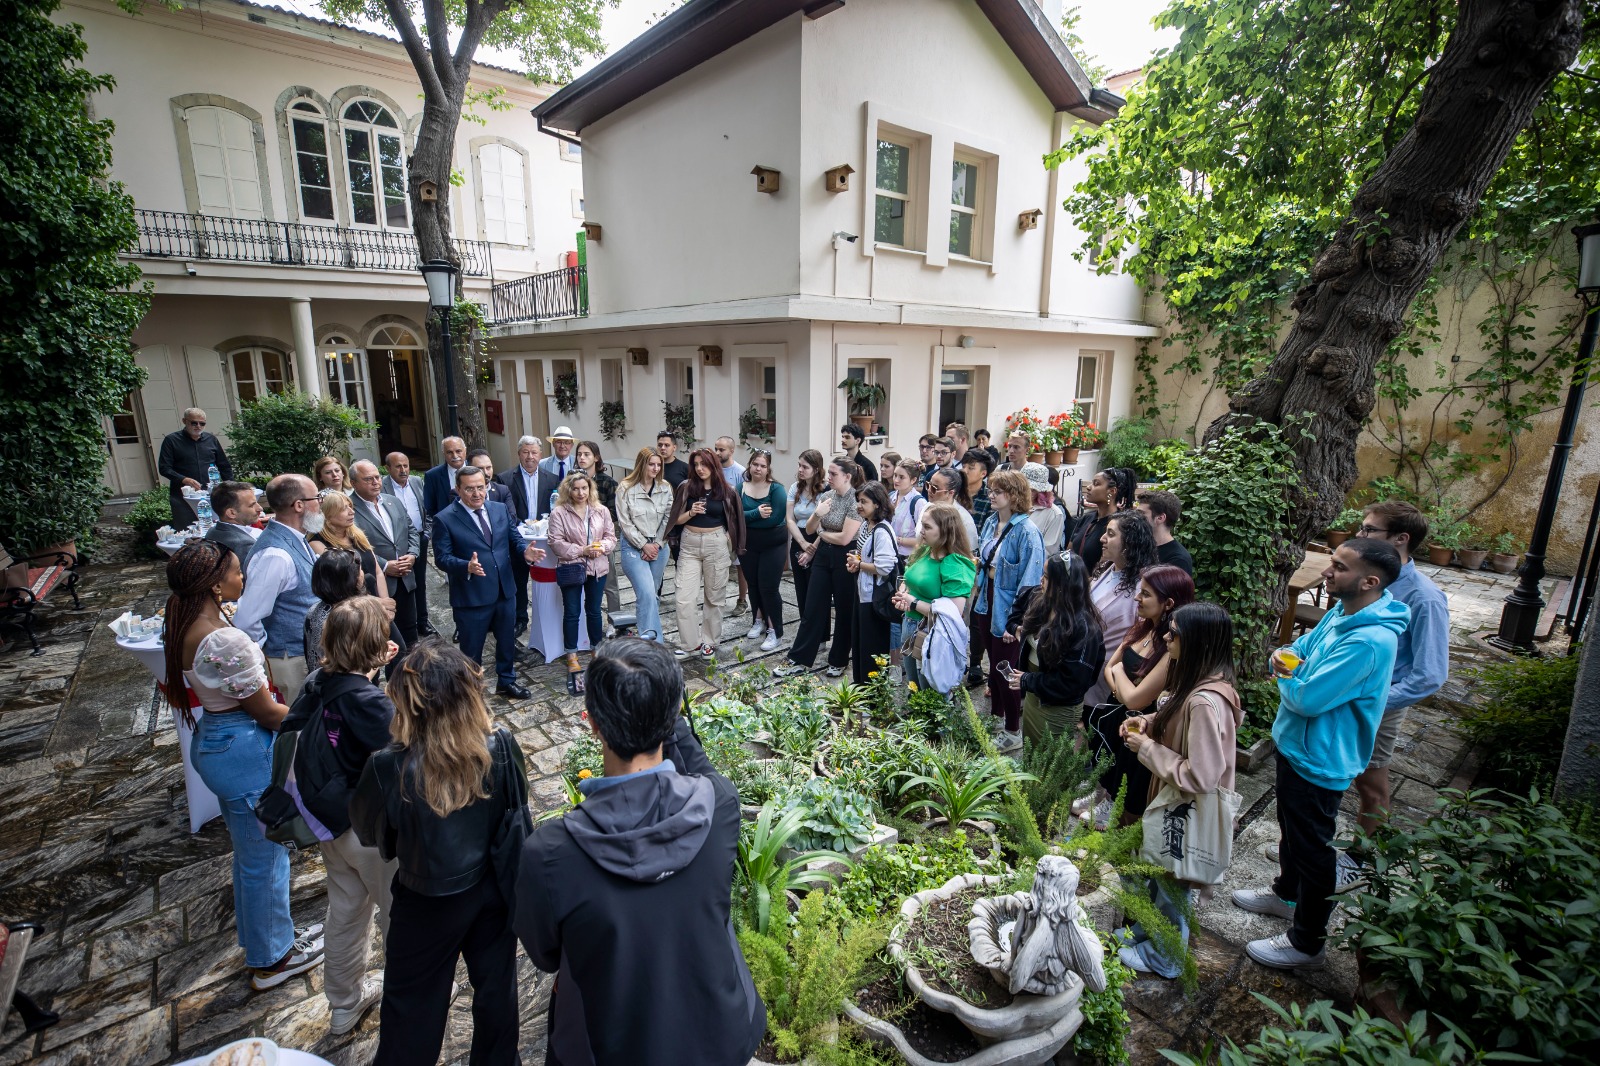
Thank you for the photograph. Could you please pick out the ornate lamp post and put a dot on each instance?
(440, 274)
(1520, 616)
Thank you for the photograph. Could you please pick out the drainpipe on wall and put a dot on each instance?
(1046, 274)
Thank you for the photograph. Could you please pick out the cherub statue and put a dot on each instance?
(1032, 941)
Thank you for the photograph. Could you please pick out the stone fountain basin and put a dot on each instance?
(1033, 1050)
(1025, 1016)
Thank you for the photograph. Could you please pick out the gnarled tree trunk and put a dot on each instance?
(1498, 63)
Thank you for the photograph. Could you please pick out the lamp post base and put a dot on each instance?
(1520, 619)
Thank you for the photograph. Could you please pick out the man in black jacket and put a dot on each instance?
(185, 459)
(627, 898)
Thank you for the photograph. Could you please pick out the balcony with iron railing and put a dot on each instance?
(177, 235)
(562, 293)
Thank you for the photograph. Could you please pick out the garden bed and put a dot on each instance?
(937, 942)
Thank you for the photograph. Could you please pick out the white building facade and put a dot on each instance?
(942, 269)
(266, 153)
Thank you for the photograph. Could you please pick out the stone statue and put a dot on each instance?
(1033, 941)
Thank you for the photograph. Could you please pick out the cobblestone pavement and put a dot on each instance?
(138, 953)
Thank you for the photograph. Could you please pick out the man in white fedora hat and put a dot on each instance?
(556, 466)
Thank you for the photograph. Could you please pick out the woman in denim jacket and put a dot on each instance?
(1010, 560)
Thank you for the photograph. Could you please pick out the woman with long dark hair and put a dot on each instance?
(1190, 742)
(1128, 547)
(1062, 648)
(232, 750)
(710, 524)
(872, 561)
(835, 523)
(433, 801)
(592, 463)
(1010, 562)
(1110, 492)
(810, 482)
(766, 521)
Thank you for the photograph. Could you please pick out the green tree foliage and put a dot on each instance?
(287, 432)
(1236, 161)
(71, 306)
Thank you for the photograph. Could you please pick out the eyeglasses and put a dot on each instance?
(310, 499)
(192, 423)
(1373, 531)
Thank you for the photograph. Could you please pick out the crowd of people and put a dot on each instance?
(1089, 624)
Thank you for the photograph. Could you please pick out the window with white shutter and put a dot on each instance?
(505, 201)
(223, 145)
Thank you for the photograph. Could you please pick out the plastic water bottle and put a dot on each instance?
(213, 476)
(203, 511)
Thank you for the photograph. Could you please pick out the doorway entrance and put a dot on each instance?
(395, 360)
(128, 472)
(346, 368)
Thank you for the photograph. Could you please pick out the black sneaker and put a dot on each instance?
(974, 678)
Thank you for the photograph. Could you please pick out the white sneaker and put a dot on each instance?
(1262, 901)
(1008, 742)
(1100, 817)
(344, 1019)
(790, 670)
(1278, 953)
(757, 630)
(1349, 875)
(1271, 852)
(771, 643)
(1084, 804)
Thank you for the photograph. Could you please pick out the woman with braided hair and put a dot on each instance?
(232, 751)
(1108, 494)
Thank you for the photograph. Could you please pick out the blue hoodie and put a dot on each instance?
(1328, 712)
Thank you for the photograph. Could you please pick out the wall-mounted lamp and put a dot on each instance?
(766, 179)
(428, 192)
(711, 354)
(965, 340)
(639, 356)
(1028, 220)
(591, 232)
(837, 179)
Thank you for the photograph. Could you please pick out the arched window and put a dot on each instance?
(376, 166)
(505, 200)
(313, 173)
(223, 147)
(258, 371)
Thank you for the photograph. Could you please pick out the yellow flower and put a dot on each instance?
(872, 673)
(585, 774)
(913, 685)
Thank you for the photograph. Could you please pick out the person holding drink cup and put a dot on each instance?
(710, 525)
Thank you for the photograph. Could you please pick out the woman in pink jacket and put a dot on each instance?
(581, 532)
(1190, 743)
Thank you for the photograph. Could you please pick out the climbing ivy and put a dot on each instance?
(1233, 164)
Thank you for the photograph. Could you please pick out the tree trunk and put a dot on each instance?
(430, 162)
(1498, 63)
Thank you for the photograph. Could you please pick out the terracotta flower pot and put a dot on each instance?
(863, 422)
(1336, 537)
(1053, 458)
(1440, 556)
(1070, 455)
(1503, 563)
(1036, 457)
(1471, 558)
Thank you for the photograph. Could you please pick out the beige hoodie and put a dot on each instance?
(1199, 752)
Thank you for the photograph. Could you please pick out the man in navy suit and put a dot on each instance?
(473, 539)
(439, 483)
(497, 489)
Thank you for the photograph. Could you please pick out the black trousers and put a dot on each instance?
(1307, 863)
(831, 586)
(424, 625)
(473, 626)
(405, 610)
(802, 583)
(871, 638)
(520, 574)
(1103, 723)
(427, 934)
(763, 575)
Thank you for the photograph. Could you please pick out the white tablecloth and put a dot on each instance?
(285, 1057)
(203, 803)
(545, 608)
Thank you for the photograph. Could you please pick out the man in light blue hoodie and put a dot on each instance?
(1332, 694)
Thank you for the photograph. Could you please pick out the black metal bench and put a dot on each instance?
(30, 581)
(15, 938)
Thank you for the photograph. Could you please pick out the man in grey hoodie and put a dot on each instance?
(628, 897)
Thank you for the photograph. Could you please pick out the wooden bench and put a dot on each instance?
(15, 938)
(29, 582)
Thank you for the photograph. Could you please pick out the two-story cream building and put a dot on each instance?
(265, 152)
(940, 267)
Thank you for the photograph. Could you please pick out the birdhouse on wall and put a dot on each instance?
(712, 354)
(591, 231)
(639, 356)
(428, 192)
(1028, 220)
(766, 179)
(837, 179)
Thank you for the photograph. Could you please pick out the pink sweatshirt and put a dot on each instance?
(1198, 753)
(568, 537)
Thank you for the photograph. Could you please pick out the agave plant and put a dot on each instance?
(961, 788)
(843, 698)
(763, 875)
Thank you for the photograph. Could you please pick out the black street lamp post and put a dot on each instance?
(1520, 617)
(440, 274)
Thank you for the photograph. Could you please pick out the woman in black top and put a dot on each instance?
(433, 801)
(1063, 648)
(836, 523)
(1110, 492)
(709, 523)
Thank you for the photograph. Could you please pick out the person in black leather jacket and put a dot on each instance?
(431, 800)
(628, 897)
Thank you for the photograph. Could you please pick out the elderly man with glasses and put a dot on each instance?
(187, 455)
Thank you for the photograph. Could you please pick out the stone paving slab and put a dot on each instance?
(139, 952)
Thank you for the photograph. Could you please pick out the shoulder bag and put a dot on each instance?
(573, 575)
(505, 850)
(280, 810)
(1190, 836)
(885, 585)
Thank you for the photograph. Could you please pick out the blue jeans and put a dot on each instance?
(583, 599)
(646, 579)
(233, 756)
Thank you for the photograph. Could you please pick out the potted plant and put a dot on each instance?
(1030, 425)
(1078, 435)
(1343, 527)
(753, 427)
(679, 418)
(1446, 524)
(863, 400)
(613, 419)
(1474, 547)
(1504, 550)
(567, 392)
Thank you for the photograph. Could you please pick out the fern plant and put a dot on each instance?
(762, 874)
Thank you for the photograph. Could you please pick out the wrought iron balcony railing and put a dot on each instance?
(178, 235)
(562, 293)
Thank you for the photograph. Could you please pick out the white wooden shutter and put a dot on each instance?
(209, 388)
(224, 149)
(157, 395)
(505, 203)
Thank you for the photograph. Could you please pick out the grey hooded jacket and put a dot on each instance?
(628, 900)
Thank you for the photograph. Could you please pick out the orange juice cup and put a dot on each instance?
(1135, 725)
(1290, 660)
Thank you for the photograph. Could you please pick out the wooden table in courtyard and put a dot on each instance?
(1307, 578)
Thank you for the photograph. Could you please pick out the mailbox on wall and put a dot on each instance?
(494, 416)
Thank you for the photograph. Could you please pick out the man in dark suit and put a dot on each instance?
(473, 539)
(385, 522)
(527, 486)
(399, 483)
(498, 492)
(439, 483)
(234, 504)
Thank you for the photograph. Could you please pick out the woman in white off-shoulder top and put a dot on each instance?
(232, 751)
